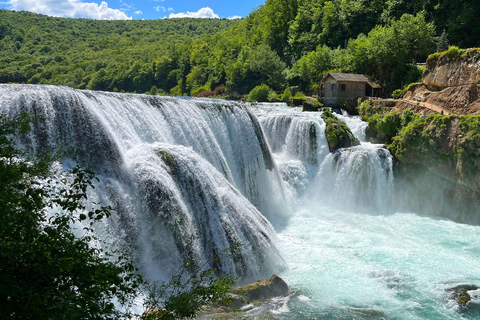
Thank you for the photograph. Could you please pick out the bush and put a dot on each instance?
(299, 95)
(397, 94)
(259, 93)
(272, 96)
(219, 90)
(195, 92)
(287, 95)
(205, 94)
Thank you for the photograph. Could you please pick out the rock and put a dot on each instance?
(157, 314)
(450, 69)
(338, 133)
(351, 106)
(311, 104)
(264, 289)
(460, 294)
(296, 102)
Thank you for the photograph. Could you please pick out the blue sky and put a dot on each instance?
(140, 9)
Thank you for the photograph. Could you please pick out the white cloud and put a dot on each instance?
(202, 13)
(235, 17)
(70, 9)
(170, 9)
(138, 12)
(160, 8)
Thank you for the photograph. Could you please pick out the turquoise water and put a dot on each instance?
(349, 265)
(349, 255)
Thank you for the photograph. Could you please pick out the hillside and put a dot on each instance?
(283, 43)
(94, 54)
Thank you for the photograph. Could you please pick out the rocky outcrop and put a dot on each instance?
(457, 100)
(438, 166)
(247, 297)
(460, 294)
(452, 68)
(263, 289)
(338, 133)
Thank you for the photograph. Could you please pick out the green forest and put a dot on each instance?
(282, 43)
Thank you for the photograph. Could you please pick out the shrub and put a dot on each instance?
(287, 95)
(272, 96)
(205, 94)
(259, 93)
(299, 95)
(197, 91)
(219, 90)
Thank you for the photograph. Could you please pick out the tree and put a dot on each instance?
(46, 272)
(259, 93)
(442, 44)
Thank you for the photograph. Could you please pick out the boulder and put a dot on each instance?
(264, 289)
(311, 104)
(460, 294)
(338, 133)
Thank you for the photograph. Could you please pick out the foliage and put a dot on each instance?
(286, 95)
(284, 42)
(442, 44)
(273, 97)
(259, 93)
(399, 93)
(299, 95)
(197, 91)
(46, 271)
(190, 289)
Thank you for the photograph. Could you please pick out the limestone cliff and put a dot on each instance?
(452, 68)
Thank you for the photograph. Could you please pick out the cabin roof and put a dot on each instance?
(350, 77)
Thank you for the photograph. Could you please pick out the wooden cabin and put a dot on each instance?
(341, 87)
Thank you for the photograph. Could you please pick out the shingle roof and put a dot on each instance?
(352, 77)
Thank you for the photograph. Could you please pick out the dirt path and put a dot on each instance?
(429, 106)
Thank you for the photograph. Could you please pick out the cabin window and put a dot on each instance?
(344, 87)
(333, 87)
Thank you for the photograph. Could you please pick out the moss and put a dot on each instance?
(367, 109)
(311, 105)
(167, 158)
(453, 53)
(338, 133)
(382, 128)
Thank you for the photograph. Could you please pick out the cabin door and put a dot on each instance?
(368, 90)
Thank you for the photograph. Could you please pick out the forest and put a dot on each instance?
(282, 43)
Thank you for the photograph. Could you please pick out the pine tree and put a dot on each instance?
(442, 44)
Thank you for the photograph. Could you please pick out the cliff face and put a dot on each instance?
(452, 68)
(438, 165)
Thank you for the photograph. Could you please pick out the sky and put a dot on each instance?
(139, 9)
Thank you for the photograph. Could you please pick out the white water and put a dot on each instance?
(175, 167)
(172, 168)
(350, 254)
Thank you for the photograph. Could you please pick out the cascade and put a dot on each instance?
(229, 173)
(171, 167)
(359, 177)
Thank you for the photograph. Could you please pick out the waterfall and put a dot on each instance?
(357, 178)
(172, 168)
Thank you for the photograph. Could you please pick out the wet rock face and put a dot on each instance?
(460, 294)
(338, 133)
